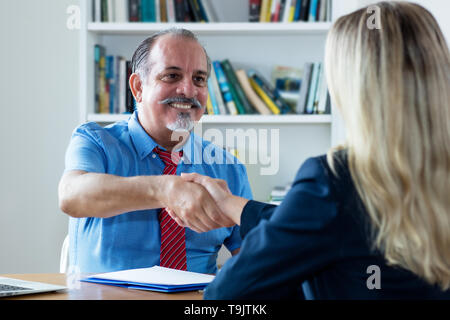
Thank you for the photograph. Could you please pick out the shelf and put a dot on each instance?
(224, 28)
(274, 119)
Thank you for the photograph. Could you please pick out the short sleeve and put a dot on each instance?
(85, 152)
(245, 190)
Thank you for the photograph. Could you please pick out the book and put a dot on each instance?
(97, 10)
(157, 11)
(203, 14)
(329, 10)
(182, 11)
(133, 11)
(287, 81)
(320, 77)
(224, 88)
(257, 103)
(273, 9)
(241, 100)
(304, 11)
(313, 11)
(217, 93)
(270, 91)
(148, 11)
(272, 106)
(170, 5)
(121, 11)
(322, 94)
(110, 78)
(254, 10)
(99, 51)
(304, 88)
(265, 9)
(322, 12)
(239, 107)
(212, 102)
(298, 5)
(313, 88)
(163, 10)
(209, 11)
(110, 6)
(122, 101)
(195, 9)
(209, 106)
(155, 278)
(130, 103)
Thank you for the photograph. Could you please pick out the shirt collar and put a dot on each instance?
(145, 144)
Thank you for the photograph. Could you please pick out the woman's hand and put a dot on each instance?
(229, 204)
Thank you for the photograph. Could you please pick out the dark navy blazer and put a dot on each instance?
(315, 245)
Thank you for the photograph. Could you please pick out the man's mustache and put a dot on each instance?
(191, 101)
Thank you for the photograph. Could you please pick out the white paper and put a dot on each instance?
(157, 275)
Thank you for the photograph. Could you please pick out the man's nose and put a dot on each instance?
(187, 88)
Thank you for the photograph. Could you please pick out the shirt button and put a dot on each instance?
(153, 156)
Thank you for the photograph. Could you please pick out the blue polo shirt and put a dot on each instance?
(132, 240)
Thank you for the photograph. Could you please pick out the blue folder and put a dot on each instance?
(154, 279)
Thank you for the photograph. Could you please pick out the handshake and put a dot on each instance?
(202, 203)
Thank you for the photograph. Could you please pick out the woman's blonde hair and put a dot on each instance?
(392, 87)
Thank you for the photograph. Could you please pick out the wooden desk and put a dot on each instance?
(78, 290)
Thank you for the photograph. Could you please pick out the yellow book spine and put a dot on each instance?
(209, 106)
(269, 12)
(263, 13)
(272, 106)
(292, 11)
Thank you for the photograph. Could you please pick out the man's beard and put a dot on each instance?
(183, 122)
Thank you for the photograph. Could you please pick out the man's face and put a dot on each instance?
(178, 69)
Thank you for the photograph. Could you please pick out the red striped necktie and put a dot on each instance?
(173, 239)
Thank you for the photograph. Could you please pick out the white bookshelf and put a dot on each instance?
(224, 119)
(259, 46)
(225, 28)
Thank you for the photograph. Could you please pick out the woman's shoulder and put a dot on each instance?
(329, 170)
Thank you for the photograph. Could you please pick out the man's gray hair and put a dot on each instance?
(140, 63)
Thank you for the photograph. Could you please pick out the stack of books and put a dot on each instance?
(290, 10)
(122, 11)
(314, 97)
(112, 90)
(278, 194)
(236, 92)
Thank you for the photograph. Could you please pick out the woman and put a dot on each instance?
(371, 221)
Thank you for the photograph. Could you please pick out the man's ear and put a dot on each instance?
(136, 87)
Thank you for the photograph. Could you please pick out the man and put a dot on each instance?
(118, 178)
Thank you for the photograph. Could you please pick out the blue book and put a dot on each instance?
(110, 78)
(148, 11)
(313, 10)
(298, 6)
(313, 88)
(225, 88)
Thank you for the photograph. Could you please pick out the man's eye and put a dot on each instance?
(200, 80)
(170, 76)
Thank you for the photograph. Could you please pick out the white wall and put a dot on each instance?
(39, 109)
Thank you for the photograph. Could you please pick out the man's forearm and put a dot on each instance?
(104, 195)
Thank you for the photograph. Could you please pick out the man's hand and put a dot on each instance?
(191, 205)
(229, 204)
